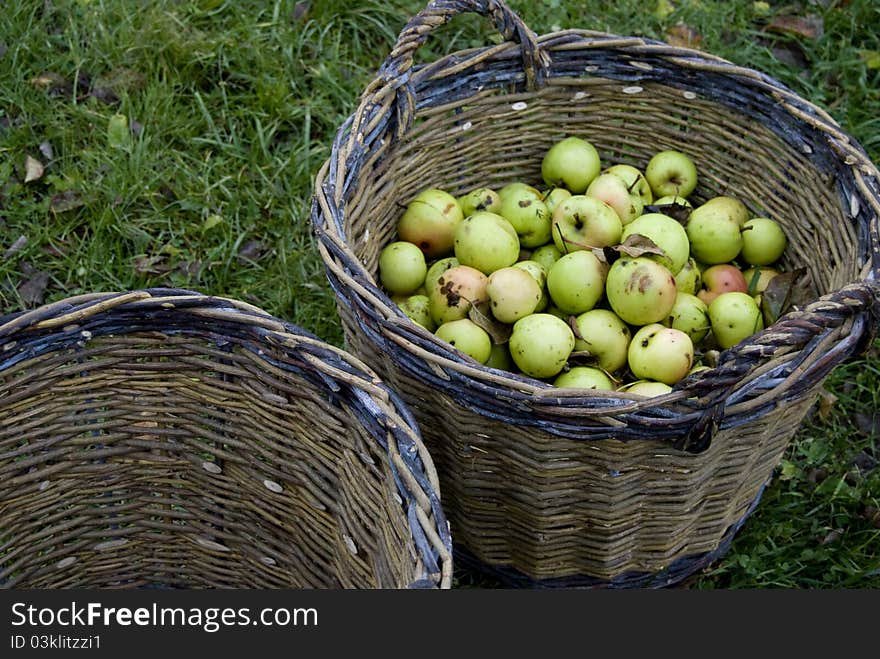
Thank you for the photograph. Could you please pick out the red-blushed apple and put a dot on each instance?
(571, 163)
(540, 345)
(635, 181)
(429, 222)
(639, 290)
(613, 191)
(451, 296)
(660, 353)
(513, 293)
(721, 278)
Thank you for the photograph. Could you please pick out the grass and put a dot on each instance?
(233, 106)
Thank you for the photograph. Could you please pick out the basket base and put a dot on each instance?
(507, 577)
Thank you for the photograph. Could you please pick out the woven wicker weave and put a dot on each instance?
(163, 438)
(562, 487)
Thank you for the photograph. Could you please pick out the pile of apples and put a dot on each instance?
(605, 279)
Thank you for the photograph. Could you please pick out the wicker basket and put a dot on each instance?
(564, 487)
(162, 438)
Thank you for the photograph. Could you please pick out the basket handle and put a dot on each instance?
(395, 73)
(797, 329)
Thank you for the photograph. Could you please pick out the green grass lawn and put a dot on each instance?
(231, 109)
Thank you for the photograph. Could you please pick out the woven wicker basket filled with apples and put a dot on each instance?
(589, 265)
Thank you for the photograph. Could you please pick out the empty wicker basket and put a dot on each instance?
(562, 487)
(163, 438)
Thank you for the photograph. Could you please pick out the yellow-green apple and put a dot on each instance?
(605, 336)
(417, 308)
(690, 315)
(528, 215)
(758, 278)
(479, 199)
(671, 172)
(635, 181)
(639, 290)
(764, 241)
(582, 222)
(584, 377)
(486, 241)
(468, 337)
(689, 278)
(571, 163)
(402, 267)
(648, 388)
(429, 222)
(540, 344)
(576, 282)
(553, 197)
(666, 233)
(713, 229)
(660, 353)
(734, 317)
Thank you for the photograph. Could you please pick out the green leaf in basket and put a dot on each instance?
(481, 315)
(776, 299)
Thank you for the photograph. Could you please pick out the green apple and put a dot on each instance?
(713, 229)
(528, 216)
(553, 197)
(640, 291)
(582, 222)
(429, 222)
(671, 172)
(417, 309)
(500, 358)
(479, 199)
(666, 233)
(518, 187)
(721, 278)
(660, 353)
(486, 241)
(402, 267)
(647, 388)
(546, 255)
(571, 163)
(467, 336)
(763, 241)
(689, 278)
(576, 282)
(539, 273)
(513, 293)
(635, 181)
(758, 278)
(613, 191)
(540, 344)
(734, 317)
(605, 336)
(673, 199)
(438, 268)
(584, 377)
(451, 296)
(690, 315)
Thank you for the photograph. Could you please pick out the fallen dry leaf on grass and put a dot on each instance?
(681, 35)
(808, 27)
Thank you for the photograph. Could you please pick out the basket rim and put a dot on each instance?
(854, 306)
(76, 320)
